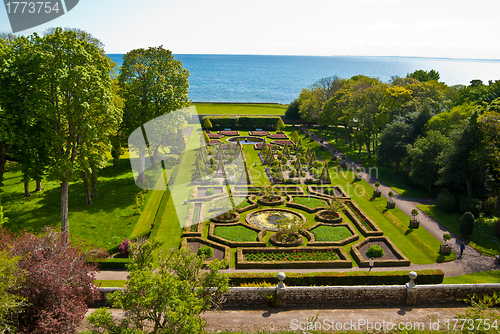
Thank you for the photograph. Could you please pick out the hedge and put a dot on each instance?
(113, 263)
(242, 122)
(331, 278)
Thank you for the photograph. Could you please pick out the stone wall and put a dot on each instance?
(335, 296)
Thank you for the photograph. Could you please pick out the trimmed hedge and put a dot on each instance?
(242, 122)
(331, 278)
(113, 263)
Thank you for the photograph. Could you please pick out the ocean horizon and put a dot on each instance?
(280, 79)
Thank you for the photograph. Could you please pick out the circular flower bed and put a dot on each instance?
(328, 216)
(271, 200)
(286, 239)
(228, 217)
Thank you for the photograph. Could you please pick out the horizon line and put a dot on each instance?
(345, 55)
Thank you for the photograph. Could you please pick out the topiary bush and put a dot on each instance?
(293, 173)
(313, 171)
(470, 204)
(205, 252)
(467, 224)
(446, 202)
(375, 251)
(490, 205)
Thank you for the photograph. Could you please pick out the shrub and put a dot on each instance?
(209, 192)
(377, 184)
(302, 160)
(313, 171)
(293, 172)
(284, 160)
(205, 252)
(490, 205)
(375, 251)
(470, 204)
(467, 224)
(329, 191)
(317, 164)
(124, 247)
(446, 238)
(446, 202)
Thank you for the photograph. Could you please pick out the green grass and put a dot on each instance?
(110, 283)
(481, 239)
(236, 233)
(310, 202)
(104, 224)
(239, 109)
(331, 233)
(492, 276)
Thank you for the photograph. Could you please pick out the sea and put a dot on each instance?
(280, 79)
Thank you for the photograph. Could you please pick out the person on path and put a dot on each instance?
(462, 248)
(371, 264)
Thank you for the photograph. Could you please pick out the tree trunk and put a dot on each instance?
(368, 149)
(38, 186)
(27, 189)
(93, 179)
(88, 198)
(3, 158)
(359, 152)
(142, 166)
(64, 209)
(396, 166)
(336, 133)
(469, 188)
(115, 162)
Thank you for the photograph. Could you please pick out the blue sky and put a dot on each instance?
(424, 28)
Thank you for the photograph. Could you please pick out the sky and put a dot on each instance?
(406, 28)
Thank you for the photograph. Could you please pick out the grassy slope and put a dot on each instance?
(482, 277)
(239, 109)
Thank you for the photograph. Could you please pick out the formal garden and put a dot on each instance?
(268, 196)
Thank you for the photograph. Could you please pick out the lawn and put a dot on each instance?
(331, 233)
(110, 219)
(239, 109)
(481, 239)
(236, 233)
(492, 276)
(310, 202)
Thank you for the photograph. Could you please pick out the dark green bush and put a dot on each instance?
(490, 205)
(293, 173)
(430, 276)
(242, 122)
(209, 192)
(446, 202)
(467, 224)
(470, 204)
(375, 251)
(205, 252)
(497, 228)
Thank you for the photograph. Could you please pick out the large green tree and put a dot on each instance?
(153, 84)
(77, 92)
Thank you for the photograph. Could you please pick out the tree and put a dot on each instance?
(58, 280)
(77, 92)
(169, 297)
(207, 124)
(424, 158)
(424, 76)
(393, 142)
(467, 224)
(280, 125)
(292, 111)
(153, 84)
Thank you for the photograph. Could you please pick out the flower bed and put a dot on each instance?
(283, 142)
(286, 239)
(271, 200)
(328, 216)
(259, 133)
(362, 222)
(225, 250)
(327, 191)
(301, 257)
(268, 172)
(214, 136)
(229, 133)
(278, 136)
(214, 142)
(228, 217)
(261, 159)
